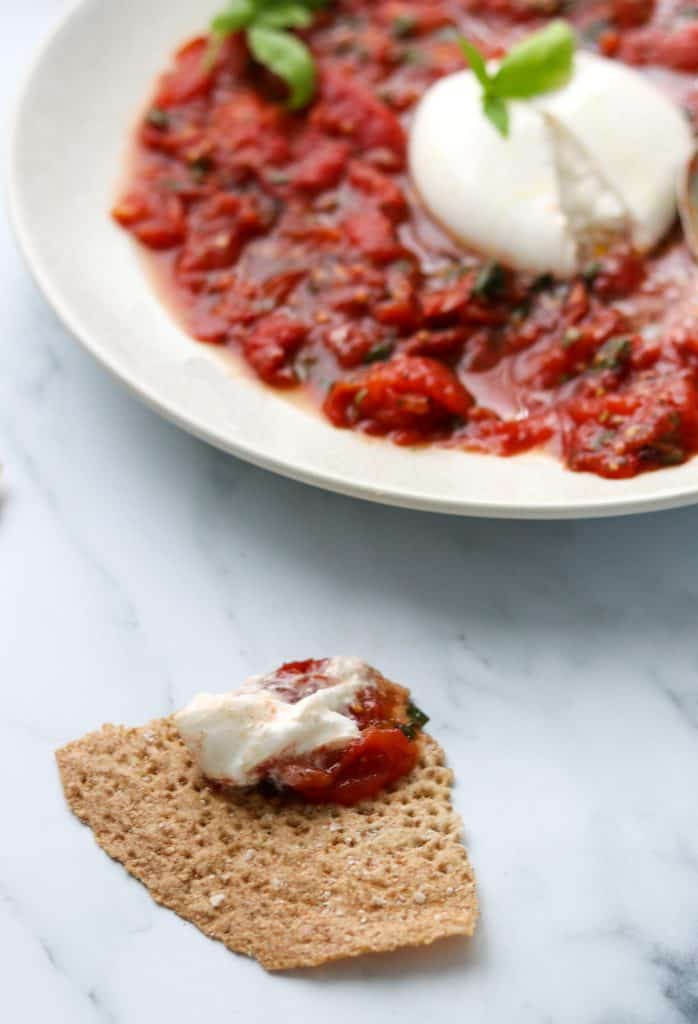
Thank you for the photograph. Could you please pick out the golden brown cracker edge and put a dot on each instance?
(288, 883)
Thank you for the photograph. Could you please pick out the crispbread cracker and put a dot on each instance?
(290, 884)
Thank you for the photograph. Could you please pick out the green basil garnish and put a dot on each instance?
(285, 14)
(540, 63)
(287, 57)
(417, 721)
(238, 15)
(266, 24)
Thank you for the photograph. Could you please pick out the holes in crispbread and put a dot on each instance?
(335, 897)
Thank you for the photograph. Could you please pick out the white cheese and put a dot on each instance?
(599, 157)
(638, 138)
(233, 734)
(592, 212)
(498, 195)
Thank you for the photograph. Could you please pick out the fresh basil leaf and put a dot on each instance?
(476, 62)
(289, 58)
(238, 15)
(495, 109)
(285, 14)
(416, 716)
(540, 63)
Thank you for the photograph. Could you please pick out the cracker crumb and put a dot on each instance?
(419, 897)
(216, 899)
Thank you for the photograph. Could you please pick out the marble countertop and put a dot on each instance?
(558, 662)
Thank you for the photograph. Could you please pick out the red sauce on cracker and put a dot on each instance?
(385, 750)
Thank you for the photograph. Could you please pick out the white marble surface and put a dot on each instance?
(558, 662)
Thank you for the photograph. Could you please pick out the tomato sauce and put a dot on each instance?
(386, 749)
(297, 241)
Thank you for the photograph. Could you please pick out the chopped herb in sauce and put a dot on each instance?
(200, 167)
(383, 350)
(158, 118)
(603, 438)
(266, 25)
(543, 283)
(413, 55)
(537, 64)
(403, 25)
(454, 272)
(277, 177)
(402, 266)
(670, 455)
(591, 272)
(612, 354)
(490, 282)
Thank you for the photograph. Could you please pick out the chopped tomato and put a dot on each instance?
(677, 49)
(379, 186)
(270, 346)
(297, 240)
(322, 166)
(384, 751)
(248, 134)
(191, 77)
(647, 425)
(347, 107)
(630, 13)
(373, 234)
(156, 218)
(352, 343)
(370, 764)
(404, 395)
(218, 228)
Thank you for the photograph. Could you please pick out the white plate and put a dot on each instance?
(74, 119)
